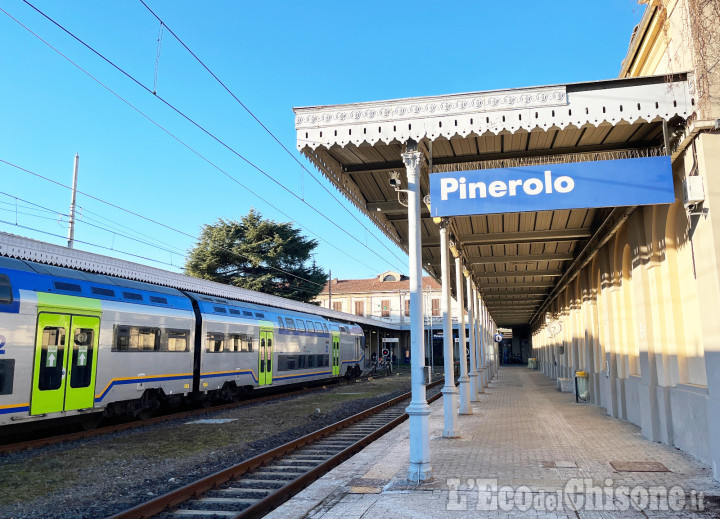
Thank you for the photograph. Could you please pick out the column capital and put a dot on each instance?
(412, 160)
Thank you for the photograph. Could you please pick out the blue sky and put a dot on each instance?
(273, 56)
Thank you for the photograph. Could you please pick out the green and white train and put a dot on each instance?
(74, 343)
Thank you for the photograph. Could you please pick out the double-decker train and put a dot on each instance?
(74, 343)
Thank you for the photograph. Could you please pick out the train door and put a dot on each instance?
(65, 363)
(335, 353)
(265, 365)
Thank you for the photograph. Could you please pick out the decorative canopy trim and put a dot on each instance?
(26, 249)
(579, 105)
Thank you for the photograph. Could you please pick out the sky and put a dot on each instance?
(166, 178)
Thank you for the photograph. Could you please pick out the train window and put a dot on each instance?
(280, 323)
(343, 329)
(259, 315)
(234, 312)
(122, 338)
(318, 327)
(323, 360)
(81, 359)
(310, 326)
(132, 296)
(234, 342)
(247, 313)
(7, 373)
(134, 338)
(311, 361)
(177, 340)
(247, 343)
(220, 310)
(148, 339)
(215, 342)
(67, 287)
(102, 291)
(300, 325)
(302, 361)
(6, 296)
(291, 362)
(290, 323)
(325, 327)
(158, 300)
(52, 356)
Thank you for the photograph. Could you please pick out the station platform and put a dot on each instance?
(526, 451)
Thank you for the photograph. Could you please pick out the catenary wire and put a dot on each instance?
(264, 127)
(155, 246)
(90, 244)
(203, 129)
(190, 148)
(139, 241)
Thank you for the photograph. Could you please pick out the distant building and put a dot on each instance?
(386, 298)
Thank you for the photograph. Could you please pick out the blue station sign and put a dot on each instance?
(605, 183)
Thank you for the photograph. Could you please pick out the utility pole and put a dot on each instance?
(330, 289)
(71, 225)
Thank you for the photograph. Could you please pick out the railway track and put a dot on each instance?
(259, 485)
(44, 441)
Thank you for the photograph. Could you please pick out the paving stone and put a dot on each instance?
(531, 439)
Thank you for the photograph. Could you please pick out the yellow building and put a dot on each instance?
(643, 316)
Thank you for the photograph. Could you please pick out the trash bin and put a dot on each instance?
(581, 386)
(532, 363)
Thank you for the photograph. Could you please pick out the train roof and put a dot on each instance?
(73, 262)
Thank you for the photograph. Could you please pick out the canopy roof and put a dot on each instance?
(519, 261)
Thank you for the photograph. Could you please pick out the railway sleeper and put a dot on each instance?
(280, 476)
(202, 513)
(283, 468)
(249, 493)
(257, 483)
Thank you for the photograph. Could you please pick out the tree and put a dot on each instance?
(257, 254)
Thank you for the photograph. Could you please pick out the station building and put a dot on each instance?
(627, 292)
(386, 298)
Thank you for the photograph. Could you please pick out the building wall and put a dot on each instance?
(644, 312)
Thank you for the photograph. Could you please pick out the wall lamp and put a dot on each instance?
(436, 219)
(454, 249)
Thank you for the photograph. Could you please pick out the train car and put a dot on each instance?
(245, 345)
(74, 343)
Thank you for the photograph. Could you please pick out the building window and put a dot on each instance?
(360, 308)
(337, 306)
(436, 307)
(385, 308)
(407, 308)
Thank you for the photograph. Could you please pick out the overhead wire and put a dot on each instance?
(187, 146)
(194, 123)
(264, 127)
(135, 239)
(89, 243)
(165, 130)
(61, 214)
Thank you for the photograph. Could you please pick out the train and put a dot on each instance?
(75, 344)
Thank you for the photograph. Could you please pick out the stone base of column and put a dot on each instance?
(419, 469)
(474, 387)
(450, 398)
(465, 395)
(482, 379)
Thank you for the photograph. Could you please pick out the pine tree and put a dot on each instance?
(257, 254)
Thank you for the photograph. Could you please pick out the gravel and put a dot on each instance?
(102, 476)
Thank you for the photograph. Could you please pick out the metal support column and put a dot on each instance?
(449, 391)
(464, 380)
(418, 410)
(473, 344)
(481, 340)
